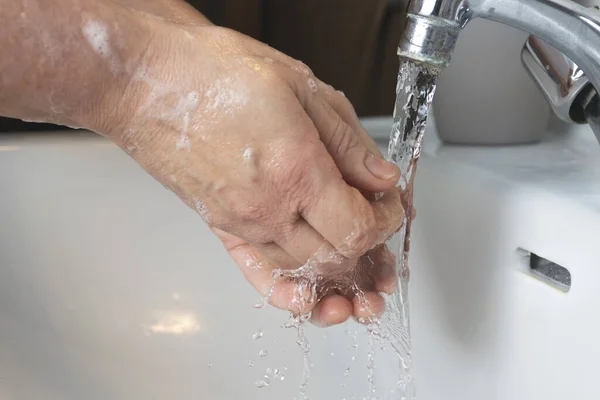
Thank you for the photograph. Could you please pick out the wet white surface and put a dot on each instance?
(110, 288)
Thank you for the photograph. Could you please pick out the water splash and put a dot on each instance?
(371, 369)
(298, 322)
(277, 274)
(309, 289)
(415, 90)
(258, 335)
(271, 375)
(262, 384)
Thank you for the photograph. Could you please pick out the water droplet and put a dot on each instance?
(347, 372)
(257, 335)
(353, 359)
(210, 365)
(263, 353)
(251, 363)
(332, 354)
(261, 384)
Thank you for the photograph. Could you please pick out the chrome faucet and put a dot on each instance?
(562, 55)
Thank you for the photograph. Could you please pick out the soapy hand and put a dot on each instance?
(274, 160)
(270, 157)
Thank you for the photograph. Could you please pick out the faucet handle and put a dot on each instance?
(562, 82)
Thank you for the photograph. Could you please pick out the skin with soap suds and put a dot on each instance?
(273, 159)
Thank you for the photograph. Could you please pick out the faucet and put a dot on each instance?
(562, 54)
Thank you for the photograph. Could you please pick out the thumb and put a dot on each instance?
(362, 168)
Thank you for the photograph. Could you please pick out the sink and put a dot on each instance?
(110, 288)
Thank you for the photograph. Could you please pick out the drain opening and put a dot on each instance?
(549, 272)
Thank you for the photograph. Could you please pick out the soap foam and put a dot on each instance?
(96, 33)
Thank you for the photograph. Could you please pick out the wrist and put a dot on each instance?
(115, 46)
(163, 81)
(67, 67)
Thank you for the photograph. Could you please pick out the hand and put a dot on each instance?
(274, 160)
(176, 11)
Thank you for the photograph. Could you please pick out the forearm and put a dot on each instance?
(63, 61)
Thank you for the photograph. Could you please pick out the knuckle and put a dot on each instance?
(302, 68)
(342, 140)
(290, 173)
(362, 239)
(274, 77)
(250, 211)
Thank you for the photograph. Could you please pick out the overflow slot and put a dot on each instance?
(547, 271)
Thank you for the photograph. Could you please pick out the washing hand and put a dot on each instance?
(274, 160)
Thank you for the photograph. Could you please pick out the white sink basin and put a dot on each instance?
(110, 288)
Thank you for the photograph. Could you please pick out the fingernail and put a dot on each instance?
(380, 168)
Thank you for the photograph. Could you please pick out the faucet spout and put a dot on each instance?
(433, 27)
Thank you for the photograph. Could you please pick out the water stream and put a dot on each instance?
(414, 95)
(415, 91)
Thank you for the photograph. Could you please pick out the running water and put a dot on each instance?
(415, 91)
(414, 95)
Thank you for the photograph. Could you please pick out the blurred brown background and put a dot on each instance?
(350, 44)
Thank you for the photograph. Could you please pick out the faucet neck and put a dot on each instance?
(433, 26)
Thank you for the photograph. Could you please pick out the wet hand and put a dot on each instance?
(275, 161)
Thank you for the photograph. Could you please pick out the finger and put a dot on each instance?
(309, 247)
(384, 272)
(338, 101)
(389, 214)
(277, 256)
(343, 216)
(282, 293)
(345, 109)
(368, 306)
(359, 166)
(332, 310)
(229, 241)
